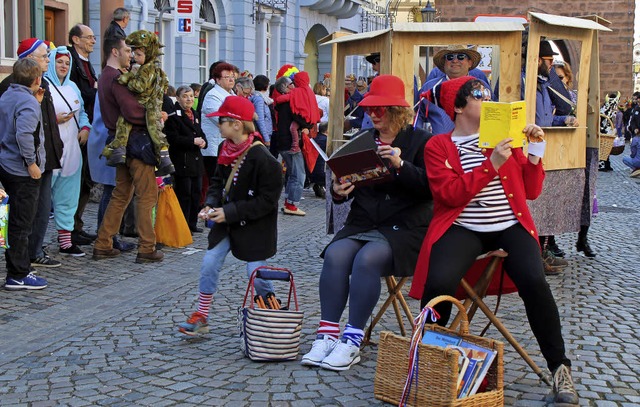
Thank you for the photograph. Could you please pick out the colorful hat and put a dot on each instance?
(286, 70)
(385, 90)
(444, 94)
(235, 107)
(469, 51)
(545, 50)
(27, 46)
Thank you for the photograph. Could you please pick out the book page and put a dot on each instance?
(499, 120)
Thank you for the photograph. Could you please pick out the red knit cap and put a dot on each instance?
(444, 94)
(27, 46)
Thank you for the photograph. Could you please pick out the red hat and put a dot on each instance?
(444, 94)
(27, 46)
(235, 107)
(385, 90)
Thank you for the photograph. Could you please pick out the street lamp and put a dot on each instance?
(428, 13)
(165, 9)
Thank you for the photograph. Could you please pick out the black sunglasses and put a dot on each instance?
(459, 57)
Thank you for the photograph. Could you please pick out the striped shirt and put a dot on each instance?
(489, 210)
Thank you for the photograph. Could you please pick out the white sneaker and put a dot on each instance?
(320, 349)
(343, 356)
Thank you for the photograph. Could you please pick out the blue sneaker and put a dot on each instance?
(30, 282)
(195, 325)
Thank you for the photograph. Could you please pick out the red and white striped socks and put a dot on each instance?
(204, 302)
(64, 239)
(330, 329)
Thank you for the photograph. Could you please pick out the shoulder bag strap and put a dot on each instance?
(563, 97)
(65, 101)
(234, 171)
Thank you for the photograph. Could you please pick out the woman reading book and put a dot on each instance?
(383, 230)
(480, 204)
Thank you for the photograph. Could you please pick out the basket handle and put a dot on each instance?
(464, 323)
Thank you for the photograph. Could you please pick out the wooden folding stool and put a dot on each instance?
(395, 298)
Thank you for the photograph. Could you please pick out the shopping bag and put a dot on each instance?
(4, 223)
(273, 334)
(171, 227)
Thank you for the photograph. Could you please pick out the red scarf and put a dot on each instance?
(189, 114)
(231, 151)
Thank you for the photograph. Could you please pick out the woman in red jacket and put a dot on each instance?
(480, 205)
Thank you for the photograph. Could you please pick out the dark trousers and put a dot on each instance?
(85, 191)
(210, 164)
(188, 190)
(41, 220)
(454, 254)
(23, 203)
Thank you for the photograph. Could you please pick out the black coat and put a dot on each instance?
(400, 209)
(251, 206)
(181, 132)
(79, 76)
(52, 142)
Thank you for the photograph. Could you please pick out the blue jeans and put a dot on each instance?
(212, 263)
(630, 162)
(295, 175)
(41, 221)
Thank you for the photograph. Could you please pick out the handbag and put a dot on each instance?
(270, 335)
(411, 373)
(171, 227)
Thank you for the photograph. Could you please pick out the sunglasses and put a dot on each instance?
(378, 111)
(227, 120)
(459, 57)
(481, 94)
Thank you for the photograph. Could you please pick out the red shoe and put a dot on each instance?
(291, 209)
(196, 324)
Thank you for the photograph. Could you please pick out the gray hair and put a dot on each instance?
(282, 83)
(183, 89)
(245, 83)
(120, 14)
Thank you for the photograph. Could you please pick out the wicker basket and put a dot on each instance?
(617, 150)
(438, 369)
(606, 144)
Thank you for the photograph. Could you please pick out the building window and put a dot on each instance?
(9, 34)
(203, 56)
(160, 4)
(268, 50)
(207, 12)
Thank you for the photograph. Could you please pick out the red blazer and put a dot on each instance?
(453, 189)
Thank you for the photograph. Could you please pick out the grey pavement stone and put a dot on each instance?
(103, 333)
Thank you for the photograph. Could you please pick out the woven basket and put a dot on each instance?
(606, 144)
(438, 369)
(617, 150)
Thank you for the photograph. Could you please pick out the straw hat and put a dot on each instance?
(474, 56)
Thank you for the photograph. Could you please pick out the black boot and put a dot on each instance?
(553, 246)
(582, 245)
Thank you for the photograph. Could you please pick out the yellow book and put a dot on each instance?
(501, 120)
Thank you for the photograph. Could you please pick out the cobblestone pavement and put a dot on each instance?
(104, 333)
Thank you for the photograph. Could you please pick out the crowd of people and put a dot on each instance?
(226, 142)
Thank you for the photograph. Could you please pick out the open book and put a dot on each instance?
(357, 161)
(501, 120)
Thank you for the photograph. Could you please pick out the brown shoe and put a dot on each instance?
(153, 257)
(100, 254)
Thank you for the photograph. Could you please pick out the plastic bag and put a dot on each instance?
(4, 223)
(171, 227)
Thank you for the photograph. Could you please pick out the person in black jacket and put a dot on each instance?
(120, 21)
(36, 49)
(383, 231)
(242, 205)
(186, 139)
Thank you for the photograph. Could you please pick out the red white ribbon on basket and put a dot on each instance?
(427, 314)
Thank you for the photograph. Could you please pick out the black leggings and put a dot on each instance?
(352, 270)
(456, 251)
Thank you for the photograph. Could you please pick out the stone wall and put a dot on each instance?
(616, 47)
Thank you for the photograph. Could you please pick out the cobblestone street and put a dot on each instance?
(104, 332)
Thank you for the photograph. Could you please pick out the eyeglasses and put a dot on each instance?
(88, 37)
(228, 77)
(459, 57)
(43, 56)
(378, 111)
(481, 94)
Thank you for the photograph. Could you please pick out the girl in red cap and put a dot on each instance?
(382, 233)
(480, 204)
(242, 204)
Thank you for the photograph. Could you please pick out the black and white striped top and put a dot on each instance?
(489, 210)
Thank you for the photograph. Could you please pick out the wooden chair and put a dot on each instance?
(474, 301)
(395, 298)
